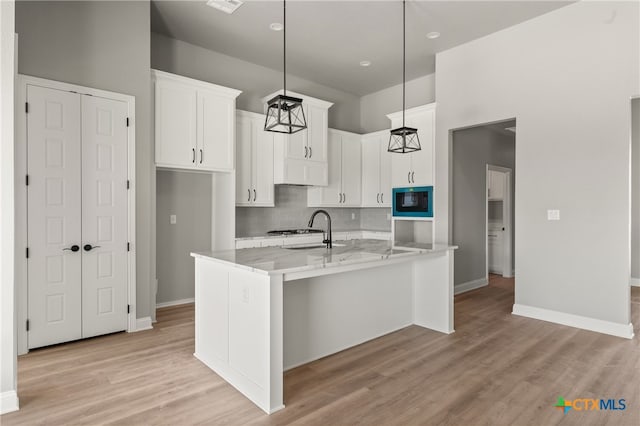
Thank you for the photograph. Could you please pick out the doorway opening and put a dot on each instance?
(482, 218)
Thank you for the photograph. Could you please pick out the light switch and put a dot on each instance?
(173, 219)
(553, 214)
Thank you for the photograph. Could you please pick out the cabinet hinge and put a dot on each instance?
(128, 309)
(27, 180)
(27, 252)
(128, 246)
(127, 121)
(27, 325)
(26, 107)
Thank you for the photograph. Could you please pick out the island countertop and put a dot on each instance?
(283, 260)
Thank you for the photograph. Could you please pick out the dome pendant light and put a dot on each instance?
(285, 113)
(404, 139)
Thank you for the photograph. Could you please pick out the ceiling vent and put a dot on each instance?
(227, 6)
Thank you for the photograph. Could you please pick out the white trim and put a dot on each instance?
(175, 302)
(412, 111)
(9, 402)
(21, 194)
(577, 321)
(143, 323)
(634, 282)
(470, 285)
(307, 99)
(211, 87)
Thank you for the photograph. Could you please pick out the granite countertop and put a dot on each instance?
(279, 260)
(334, 231)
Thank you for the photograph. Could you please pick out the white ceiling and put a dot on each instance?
(326, 40)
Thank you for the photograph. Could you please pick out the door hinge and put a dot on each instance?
(128, 184)
(127, 121)
(27, 252)
(26, 107)
(27, 180)
(128, 246)
(27, 325)
(128, 309)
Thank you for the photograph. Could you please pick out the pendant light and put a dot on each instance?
(285, 113)
(404, 139)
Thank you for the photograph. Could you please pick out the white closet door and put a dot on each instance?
(54, 191)
(104, 216)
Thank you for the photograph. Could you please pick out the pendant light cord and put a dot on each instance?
(404, 59)
(284, 35)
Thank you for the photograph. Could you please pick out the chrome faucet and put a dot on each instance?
(327, 240)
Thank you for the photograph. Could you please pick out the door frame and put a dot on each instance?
(507, 220)
(21, 278)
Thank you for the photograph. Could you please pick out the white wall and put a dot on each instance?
(374, 107)
(8, 370)
(567, 78)
(104, 45)
(635, 191)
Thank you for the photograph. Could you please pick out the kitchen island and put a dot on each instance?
(261, 311)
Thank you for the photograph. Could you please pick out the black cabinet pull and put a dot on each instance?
(254, 195)
(310, 152)
(344, 197)
(249, 197)
(89, 247)
(409, 177)
(413, 177)
(378, 198)
(306, 152)
(193, 155)
(74, 248)
(382, 198)
(200, 156)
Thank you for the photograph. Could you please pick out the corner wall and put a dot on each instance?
(635, 192)
(569, 92)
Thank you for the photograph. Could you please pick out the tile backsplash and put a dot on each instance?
(291, 211)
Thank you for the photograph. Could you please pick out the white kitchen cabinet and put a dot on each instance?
(416, 168)
(194, 123)
(496, 185)
(254, 168)
(344, 186)
(376, 170)
(301, 158)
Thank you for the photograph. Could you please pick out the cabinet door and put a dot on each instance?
(332, 194)
(317, 133)
(175, 125)
(371, 172)
(262, 159)
(297, 142)
(351, 171)
(216, 116)
(496, 185)
(422, 161)
(244, 165)
(385, 171)
(400, 170)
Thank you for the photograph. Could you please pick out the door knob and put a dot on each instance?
(89, 247)
(74, 248)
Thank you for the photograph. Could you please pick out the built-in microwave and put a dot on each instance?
(415, 201)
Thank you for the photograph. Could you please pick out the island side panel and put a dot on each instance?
(327, 314)
(433, 292)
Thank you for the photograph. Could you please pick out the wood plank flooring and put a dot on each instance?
(496, 369)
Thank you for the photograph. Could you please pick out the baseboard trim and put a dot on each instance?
(143, 324)
(175, 302)
(577, 321)
(635, 282)
(9, 402)
(470, 285)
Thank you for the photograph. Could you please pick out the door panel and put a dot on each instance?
(385, 171)
(297, 142)
(317, 133)
(332, 194)
(351, 171)
(175, 124)
(243, 155)
(370, 172)
(422, 161)
(215, 133)
(104, 216)
(54, 219)
(262, 165)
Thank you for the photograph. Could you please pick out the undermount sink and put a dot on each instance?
(309, 246)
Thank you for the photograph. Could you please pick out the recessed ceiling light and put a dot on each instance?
(227, 6)
(433, 35)
(365, 63)
(276, 26)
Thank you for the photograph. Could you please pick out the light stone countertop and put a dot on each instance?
(334, 231)
(279, 260)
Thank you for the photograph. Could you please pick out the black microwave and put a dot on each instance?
(413, 202)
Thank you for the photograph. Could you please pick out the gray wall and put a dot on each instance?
(375, 106)
(104, 45)
(188, 196)
(573, 142)
(473, 149)
(635, 190)
(255, 81)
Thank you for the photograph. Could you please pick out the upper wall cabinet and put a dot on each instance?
(376, 170)
(301, 158)
(194, 123)
(416, 168)
(344, 189)
(254, 161)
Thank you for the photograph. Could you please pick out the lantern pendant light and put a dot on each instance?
(285, 113)
(404, 139)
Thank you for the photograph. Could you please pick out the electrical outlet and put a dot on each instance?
(553, 214)
(173, 219)
(353, 216)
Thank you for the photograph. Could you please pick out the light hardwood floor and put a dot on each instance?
(495, 369)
